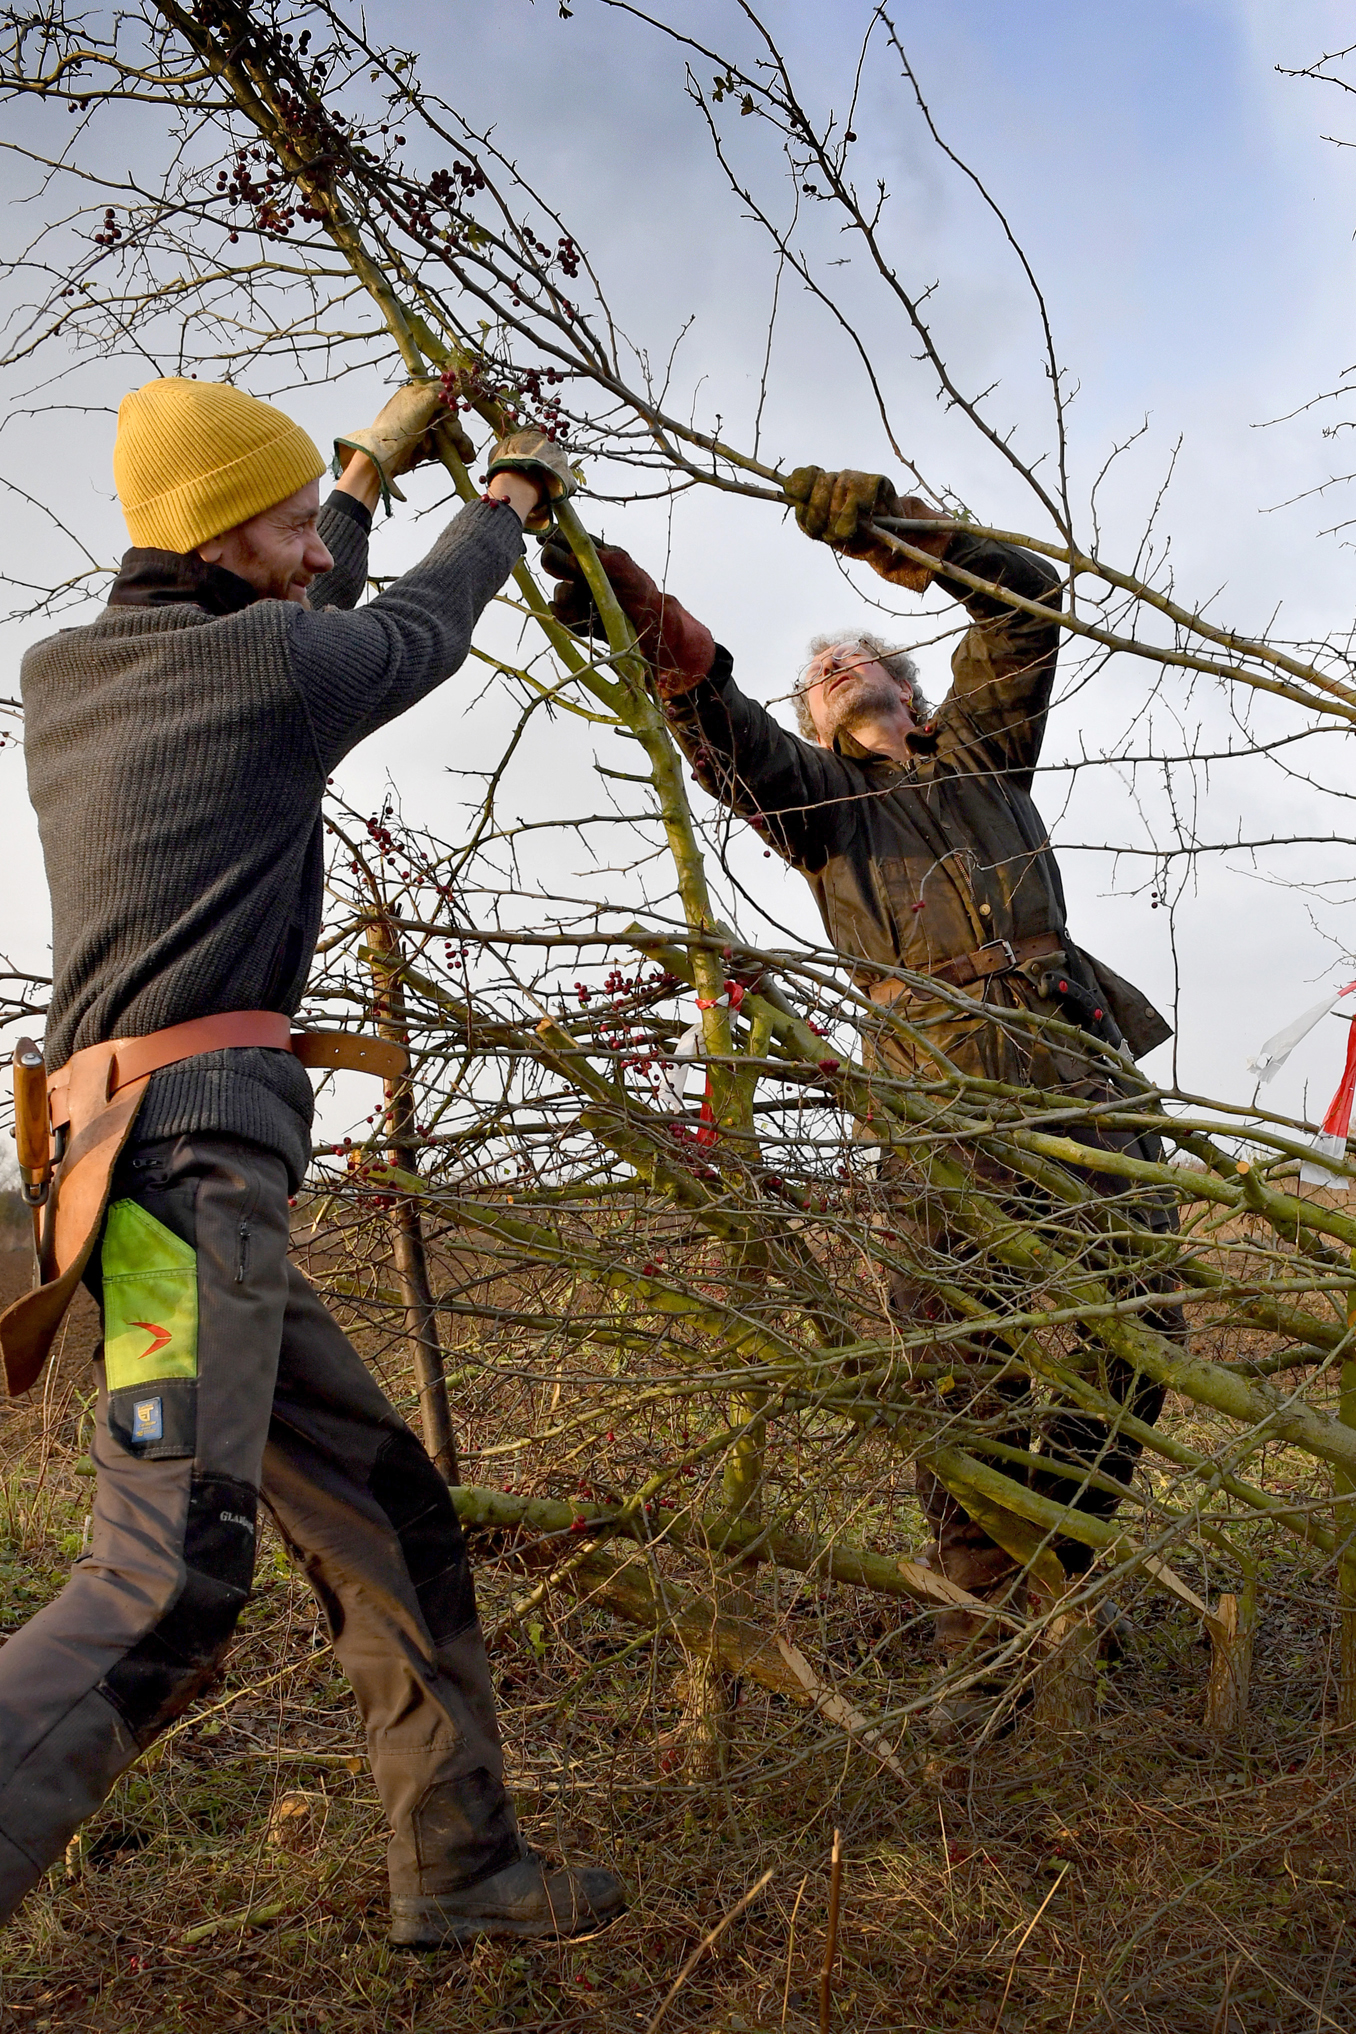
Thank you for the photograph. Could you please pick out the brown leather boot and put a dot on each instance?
(958, 1634)
(969, 1558)
(524, 1899)
(962, 1637)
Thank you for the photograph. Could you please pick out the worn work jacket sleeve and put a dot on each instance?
(797, 795)
(1004, 669)
(343, 527)
(356, 671)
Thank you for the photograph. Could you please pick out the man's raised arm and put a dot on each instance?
(793, 793)
(359, 670)
(1004, 667)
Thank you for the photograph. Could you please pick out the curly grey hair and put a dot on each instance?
(898, 663)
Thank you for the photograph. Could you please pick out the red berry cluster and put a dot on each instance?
(627, 996)
(267, 197)
(380, 833)
(564, 251)
(464, 388)
(443, 183)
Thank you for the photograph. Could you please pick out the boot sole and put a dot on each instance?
(453, 1934)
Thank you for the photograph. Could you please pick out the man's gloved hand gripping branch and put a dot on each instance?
(836, 507)
(679, 650)
(540, 463)
(177, 751)
(404, 434)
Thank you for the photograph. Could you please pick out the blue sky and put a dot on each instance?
(1193, 235)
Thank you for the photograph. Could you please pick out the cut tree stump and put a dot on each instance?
(1226, 1694)
(1066, 1680)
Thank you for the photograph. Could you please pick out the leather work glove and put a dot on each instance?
(680, 651)
(403, 434)
(832, 507)
(538, 458)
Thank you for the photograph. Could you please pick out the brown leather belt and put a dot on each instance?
(95, 1098)
(999, 957)
(133, 1059)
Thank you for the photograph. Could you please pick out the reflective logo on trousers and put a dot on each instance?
(148, 1420)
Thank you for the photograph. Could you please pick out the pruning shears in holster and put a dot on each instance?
(33, 1134)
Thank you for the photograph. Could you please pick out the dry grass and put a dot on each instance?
(1181, 1883)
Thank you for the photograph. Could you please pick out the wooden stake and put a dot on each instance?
(831, 1939)
(406, 1229)
(1345, 1516)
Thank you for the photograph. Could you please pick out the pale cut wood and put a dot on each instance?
(837, 1710)
(1226, 1694)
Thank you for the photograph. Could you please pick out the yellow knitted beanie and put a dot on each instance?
(194, 458)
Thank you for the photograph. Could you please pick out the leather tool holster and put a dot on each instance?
(93, 1102)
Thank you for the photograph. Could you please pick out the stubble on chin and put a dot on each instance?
(274, 582)
(856, 703)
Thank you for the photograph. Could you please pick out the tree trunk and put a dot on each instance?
(406, 1228)
(1066, 1681)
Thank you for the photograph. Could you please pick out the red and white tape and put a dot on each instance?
(1331, 1141)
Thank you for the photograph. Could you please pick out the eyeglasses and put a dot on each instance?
(839, 657)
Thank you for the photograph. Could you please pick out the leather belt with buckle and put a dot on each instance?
(997, 957)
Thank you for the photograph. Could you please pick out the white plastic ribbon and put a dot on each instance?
(672, 1075)
(1271, 1057)
(1326, 1145)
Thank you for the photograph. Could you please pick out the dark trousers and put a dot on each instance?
(222, 1380)
(1071, 1438)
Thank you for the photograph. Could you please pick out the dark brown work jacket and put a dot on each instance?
(920, 863)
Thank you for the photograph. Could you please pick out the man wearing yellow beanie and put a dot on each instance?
(177, 753)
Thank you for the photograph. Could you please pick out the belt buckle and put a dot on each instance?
(1008, 951)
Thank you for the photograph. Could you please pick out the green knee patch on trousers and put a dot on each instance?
(150, 1280)
(150, 1295)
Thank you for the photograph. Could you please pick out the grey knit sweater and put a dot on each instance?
(177, 762)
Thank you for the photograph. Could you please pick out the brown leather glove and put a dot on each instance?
(832, 507)
(403, 435)
(680, 651)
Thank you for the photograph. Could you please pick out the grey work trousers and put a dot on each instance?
(246, 1387)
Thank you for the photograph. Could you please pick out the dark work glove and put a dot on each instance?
(680, 651)
(834, 507)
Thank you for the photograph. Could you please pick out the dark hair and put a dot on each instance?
(898, 663)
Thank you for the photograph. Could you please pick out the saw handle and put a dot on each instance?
(32, 1125)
